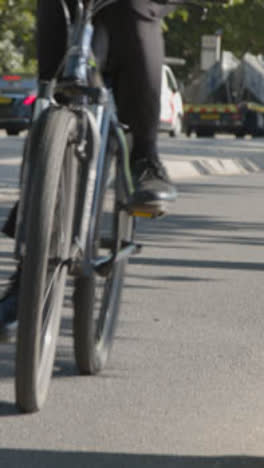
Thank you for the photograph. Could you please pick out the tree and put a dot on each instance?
(17, 31)
(240, 23)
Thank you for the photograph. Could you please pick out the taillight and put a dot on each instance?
(11, 77)
(29, 100)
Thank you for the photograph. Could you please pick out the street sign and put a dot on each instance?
(210, 51)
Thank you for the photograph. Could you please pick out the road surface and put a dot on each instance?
(184, 386)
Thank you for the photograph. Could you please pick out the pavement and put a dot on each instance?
(184, 158)
(184, 387)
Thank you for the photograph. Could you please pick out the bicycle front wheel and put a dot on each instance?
(47, 244)
(97, 296)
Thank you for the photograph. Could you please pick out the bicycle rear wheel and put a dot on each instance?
(97, 297)
(47, 244)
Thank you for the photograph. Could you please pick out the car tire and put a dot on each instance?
(188, 131)
(12, 132)
(205, 133)
(240, 133)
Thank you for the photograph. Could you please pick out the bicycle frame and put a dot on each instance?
(95, 108)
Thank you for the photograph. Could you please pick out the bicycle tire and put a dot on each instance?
(47, 245)
(93, 334)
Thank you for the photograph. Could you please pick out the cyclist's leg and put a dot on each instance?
(51, 36)
(135, 58)
(137, 28)
(136, 52)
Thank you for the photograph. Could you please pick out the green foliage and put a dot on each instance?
(17, 32)
(241, 25)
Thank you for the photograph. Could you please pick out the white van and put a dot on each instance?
(171, 115)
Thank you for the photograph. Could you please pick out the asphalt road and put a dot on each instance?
(184, 386)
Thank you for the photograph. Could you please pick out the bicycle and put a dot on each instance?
(74, 217)
(76, 187)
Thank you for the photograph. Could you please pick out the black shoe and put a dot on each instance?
(153, 188)
(8, 310)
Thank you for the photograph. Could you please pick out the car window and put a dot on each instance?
(171, 80)
(17, 83)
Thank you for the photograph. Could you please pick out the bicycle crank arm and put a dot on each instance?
(103, 266)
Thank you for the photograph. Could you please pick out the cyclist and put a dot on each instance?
(134, 60)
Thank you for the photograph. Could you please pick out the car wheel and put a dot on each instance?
(12, 132)
(188, 131)
(240, 133)
(205, 133)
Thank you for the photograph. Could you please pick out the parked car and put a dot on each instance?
(171, 117)
(17, 97)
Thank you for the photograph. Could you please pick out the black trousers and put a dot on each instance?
(135, 56)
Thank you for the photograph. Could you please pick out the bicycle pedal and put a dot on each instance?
(141, 214)
(148, 211)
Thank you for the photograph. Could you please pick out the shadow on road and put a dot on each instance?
(225, 265)
(197, 230)
(201, 229)
(52, 459)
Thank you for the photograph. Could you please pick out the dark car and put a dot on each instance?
(17, 97)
